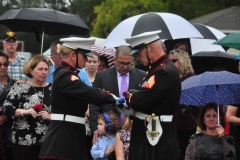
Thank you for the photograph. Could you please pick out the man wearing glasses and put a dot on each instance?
(16, 62)
(111, 80)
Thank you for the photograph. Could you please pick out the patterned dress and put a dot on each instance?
(5, 129)
(26, 130)
(125, 138)
(206, 147)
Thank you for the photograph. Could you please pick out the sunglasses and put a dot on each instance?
(4, 64)
(174, 60)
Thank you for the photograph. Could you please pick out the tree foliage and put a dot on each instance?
(111, 12)
(103, 15)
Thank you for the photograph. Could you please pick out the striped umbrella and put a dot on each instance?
(109, 53)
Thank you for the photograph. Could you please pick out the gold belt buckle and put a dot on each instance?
(153, 133)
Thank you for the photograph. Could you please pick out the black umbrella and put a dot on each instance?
(214, 60)
(44, 20)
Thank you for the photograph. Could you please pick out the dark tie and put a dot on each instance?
(124, 87)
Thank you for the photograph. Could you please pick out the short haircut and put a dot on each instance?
(2, 54)
(163, 47)
(204, 109)
(114, 119)
(54, 44)
(124, 50)
(96, 54)
(184, 60)
(32, 63)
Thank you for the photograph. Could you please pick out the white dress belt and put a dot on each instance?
(68, 118)
(162, 118)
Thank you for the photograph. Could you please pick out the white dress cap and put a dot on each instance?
(83, 44)
(139, 41)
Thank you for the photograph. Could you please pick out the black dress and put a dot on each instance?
(159, 94)
(206, 147)
(70, 96)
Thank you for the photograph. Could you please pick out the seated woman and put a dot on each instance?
(28, 104)
(123, 140)
(211, 143)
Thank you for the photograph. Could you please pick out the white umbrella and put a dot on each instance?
(106, 52)
(171, 25)
(199, 45)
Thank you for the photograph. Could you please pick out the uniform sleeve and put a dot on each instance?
(98, 149)
(94, 112)
(12, 101)
(227, 144)
(191, 149)
(151, 92)
(71, 85)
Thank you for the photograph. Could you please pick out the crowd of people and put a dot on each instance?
(75, 107)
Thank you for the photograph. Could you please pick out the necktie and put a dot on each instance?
(124, 87)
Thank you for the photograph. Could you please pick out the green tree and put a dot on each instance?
(111, 12)
(84, 8)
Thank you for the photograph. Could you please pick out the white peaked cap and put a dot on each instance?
(139, 41)
(78, 43)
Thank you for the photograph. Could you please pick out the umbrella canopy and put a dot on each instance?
(210, 35)
(198, 44)
(217, 87)
(50, 21)
(232, 40)
(209, 60)
(171, 25)
(106, 52)
(43, 20)
(208, 32)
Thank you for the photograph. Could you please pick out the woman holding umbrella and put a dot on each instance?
(211, 143)
(185, 117)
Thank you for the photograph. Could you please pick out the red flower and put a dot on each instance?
(38, 107)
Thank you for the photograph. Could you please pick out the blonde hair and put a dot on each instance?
(32, 63)
(127, 123)
(184, 60)
(114, 120)
(64, 50)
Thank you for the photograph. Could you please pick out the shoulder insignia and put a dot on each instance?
(150, 83)
(73, 78)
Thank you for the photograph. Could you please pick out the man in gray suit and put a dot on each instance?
(110, 80)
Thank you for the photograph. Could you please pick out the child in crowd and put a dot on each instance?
(123, 140)
(108, 126)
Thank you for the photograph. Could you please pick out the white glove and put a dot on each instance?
(115, 97)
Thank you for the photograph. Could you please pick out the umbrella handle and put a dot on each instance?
(42, 41)
(218, 114)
